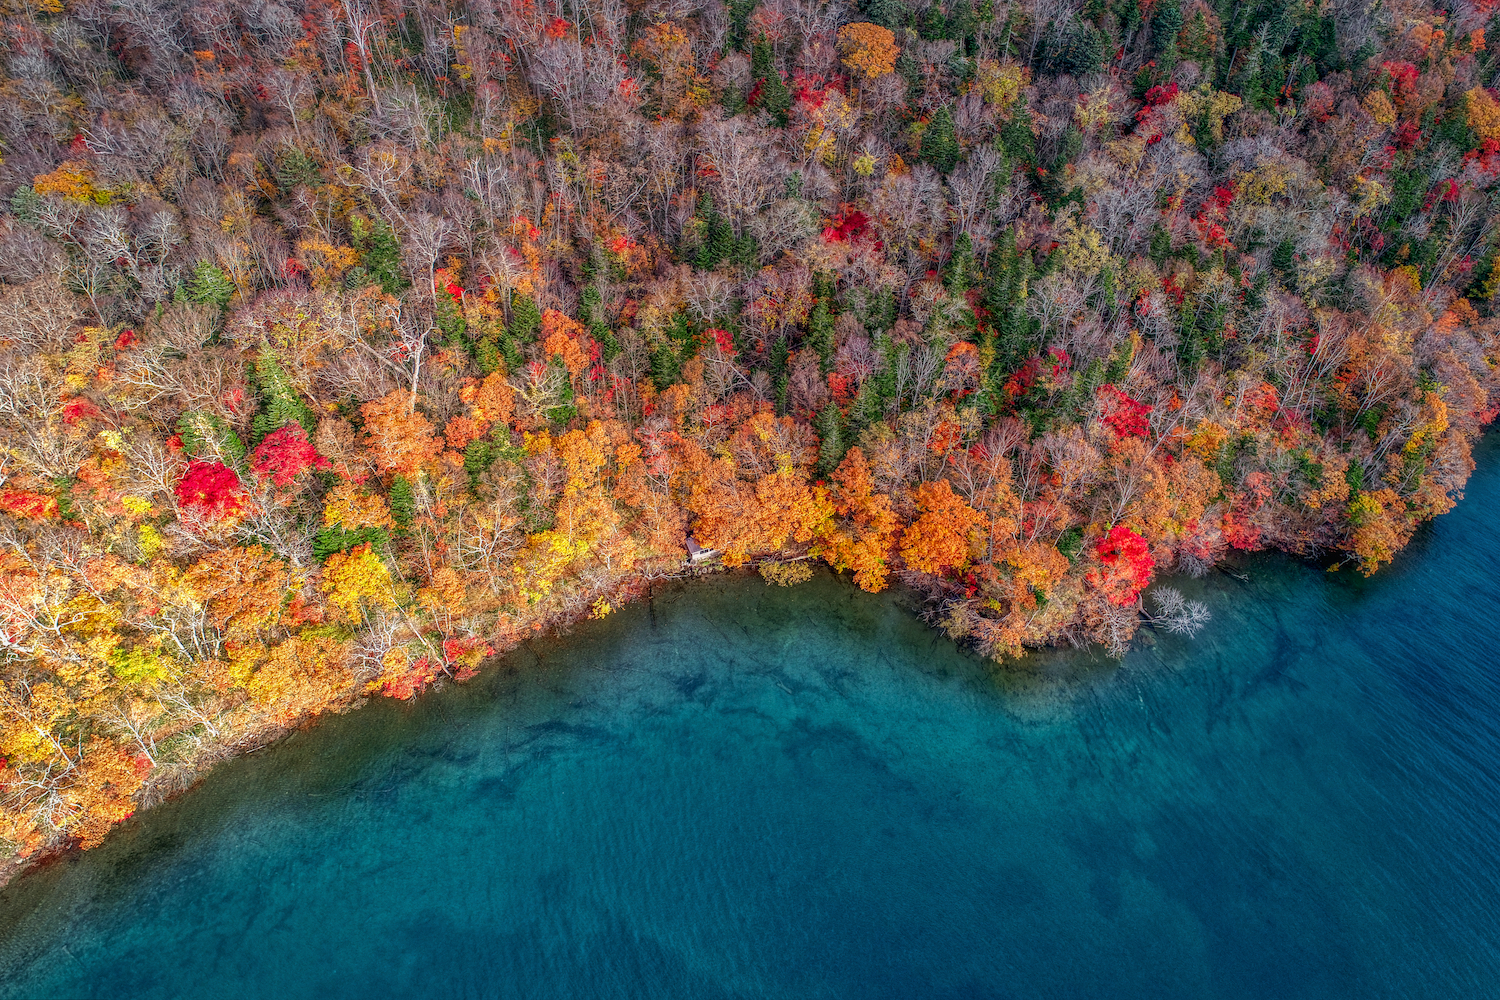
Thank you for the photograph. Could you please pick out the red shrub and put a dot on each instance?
(25, 503)
(210, 488)
(1125, 416)
(1127, 565)
(285, 454)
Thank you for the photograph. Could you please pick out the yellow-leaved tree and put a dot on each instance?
(356, 579)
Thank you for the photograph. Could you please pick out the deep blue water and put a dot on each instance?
(744, 791)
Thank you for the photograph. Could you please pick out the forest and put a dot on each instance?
(346, 343)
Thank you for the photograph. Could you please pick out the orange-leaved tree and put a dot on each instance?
(939, 539)
(1379, 526)
(399, 437)
(868, 49)
(242, 587)
(863, 534)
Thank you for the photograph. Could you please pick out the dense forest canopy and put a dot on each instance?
(343, 342)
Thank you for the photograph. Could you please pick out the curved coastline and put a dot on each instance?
(1293, 806)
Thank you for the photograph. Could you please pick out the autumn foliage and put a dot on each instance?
(285, 454)
(1126, 565)
(868, 49)
(938, 541)
(211, 489)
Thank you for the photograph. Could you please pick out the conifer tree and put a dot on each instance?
(739, 19)
(746, 253)
(210, 285)
(892, 14)
(775, 98)
(1166, 22)
(279, 398)
(1161, 246)
(939, 142)
(830, 438)
(1016, 137)
(208, 434)
(934, 24)
(402, 502)
(487, 355)
(963, 269)
(777, 358)
(733, 101)
(525, 318)
(380, 254)
(721, 241)
(820, 335)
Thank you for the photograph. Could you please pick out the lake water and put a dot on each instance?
(744, 791)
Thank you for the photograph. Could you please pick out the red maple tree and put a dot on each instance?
(285, 454)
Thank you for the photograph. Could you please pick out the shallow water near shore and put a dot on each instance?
(743, 791)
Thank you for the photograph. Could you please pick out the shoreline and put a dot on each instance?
(556, 626)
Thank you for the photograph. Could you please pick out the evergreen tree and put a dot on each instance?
(202, 433)
(1003, 287)
(1166, 22)
(26, 203)
(1083, 51)
(1161, 245)
(1108, 288)
(721, 241)
(478, 457)
(402, 502)
(210, 285)
(280, 402)
(1483, 284)
(1197, 41)
(380, 254)
(777, 358)
(487, 355)
(939, 142)
(1016, 137)
(510, 353)
(714, 235)
(295, 168)
(591, 312)
(1283, 256)
(830, 438)
(820, 336)
(746, 253)
(666, 366)
(739, 20)
(732, 100)
(762, 59)
(1071, 146)
(450, 319)
(1005, 297)
(963, 269)
(892, 14)
(333, 538)
(525, 319)
(962, 25)
(934, 24)
(882, 384)
(775, 98)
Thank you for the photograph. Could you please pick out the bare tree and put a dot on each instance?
(1175, 613)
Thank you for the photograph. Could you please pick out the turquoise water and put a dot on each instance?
(744, 791)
